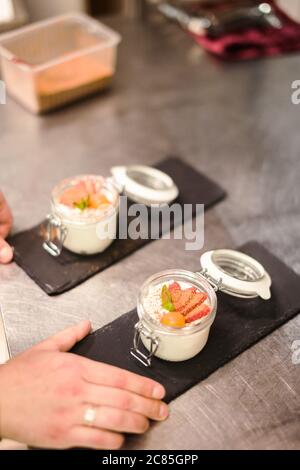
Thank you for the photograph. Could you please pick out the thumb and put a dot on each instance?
(66, 339)
(6, 252)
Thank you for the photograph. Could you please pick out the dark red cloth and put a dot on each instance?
(255, 42)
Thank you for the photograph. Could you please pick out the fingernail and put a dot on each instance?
(6, 254)
(158, 392)
(163, 411)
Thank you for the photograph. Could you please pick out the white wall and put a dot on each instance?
(39, 9)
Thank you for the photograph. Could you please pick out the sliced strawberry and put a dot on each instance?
(174, 286)
(90, 186)
(184, 299)
(197, 299)
(197, 313)
(175, 291)
(73, 195)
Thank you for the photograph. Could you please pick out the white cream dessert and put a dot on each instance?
(176, 313)
(87, 208)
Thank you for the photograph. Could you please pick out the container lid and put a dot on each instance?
(236, 274)
(145, 185)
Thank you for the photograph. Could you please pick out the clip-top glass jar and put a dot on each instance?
(169, 343)
(84, 232)
(87, 231)
(230, 271)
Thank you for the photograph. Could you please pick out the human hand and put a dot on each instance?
(45, 393)
(6, 220)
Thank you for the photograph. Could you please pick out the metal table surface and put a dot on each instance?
(235, 123)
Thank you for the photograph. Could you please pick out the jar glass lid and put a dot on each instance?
(236, 273)
(145, 185)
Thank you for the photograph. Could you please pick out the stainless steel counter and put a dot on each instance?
(236, 123)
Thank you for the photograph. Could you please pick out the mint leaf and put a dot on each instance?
(166, 299)
(83, 204)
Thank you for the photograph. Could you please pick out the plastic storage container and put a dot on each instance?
(54, 62)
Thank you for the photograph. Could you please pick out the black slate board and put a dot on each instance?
(58, 275)
(239, 324)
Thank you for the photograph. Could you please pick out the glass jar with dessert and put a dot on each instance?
(84, 209)
(83, 216)
(177, 308)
